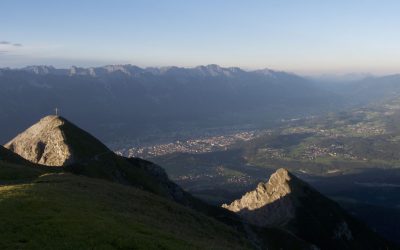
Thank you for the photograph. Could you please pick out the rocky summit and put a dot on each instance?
(43, 143)
(269, 203)
(54, 141)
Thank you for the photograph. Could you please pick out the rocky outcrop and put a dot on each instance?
(291, 204)
(269, 204)
(43, 143)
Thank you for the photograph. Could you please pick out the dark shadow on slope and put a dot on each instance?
(370, 195)
(150, 177)
(318, 220)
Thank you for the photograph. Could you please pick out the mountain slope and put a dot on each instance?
(15, 169)
(56, 142)
(287, 202)
(64, 211)
(89, 157)
(368, 89)
(11, 157)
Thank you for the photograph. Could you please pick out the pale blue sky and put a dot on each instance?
(300, 36)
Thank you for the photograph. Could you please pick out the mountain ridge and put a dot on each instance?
(287, 202)
(133, 70)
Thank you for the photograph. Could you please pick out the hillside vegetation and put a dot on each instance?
(64, 211)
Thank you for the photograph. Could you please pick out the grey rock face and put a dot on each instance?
(43, 143)
(269, 204)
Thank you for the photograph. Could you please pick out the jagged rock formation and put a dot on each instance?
(267, 205)
(291, 204)
(43, 143)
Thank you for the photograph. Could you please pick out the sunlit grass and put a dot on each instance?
(62, 211)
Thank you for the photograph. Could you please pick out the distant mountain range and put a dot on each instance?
(122, 101)
(363, 89)
(135, 71)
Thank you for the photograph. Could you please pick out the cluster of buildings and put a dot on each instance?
(366, 129)
(193, 146)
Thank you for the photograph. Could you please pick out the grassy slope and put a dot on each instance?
(9, 156)
(94, 159)
(10, 172)
(15, 169)
(64, 211)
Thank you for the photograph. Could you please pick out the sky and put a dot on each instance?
(301, 36)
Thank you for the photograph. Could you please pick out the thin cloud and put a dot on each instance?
(10, 43)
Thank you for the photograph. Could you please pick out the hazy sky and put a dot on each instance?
(299, 35)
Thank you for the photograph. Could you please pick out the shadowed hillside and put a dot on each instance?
(289, 203)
